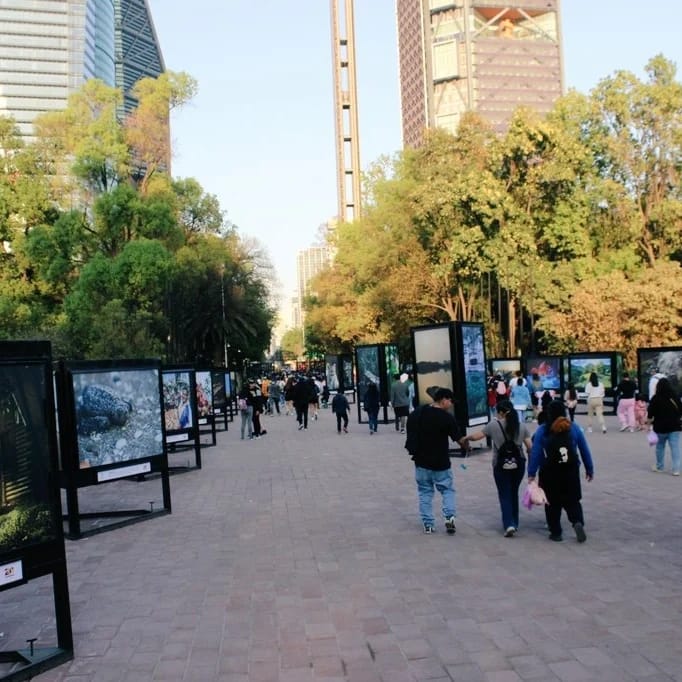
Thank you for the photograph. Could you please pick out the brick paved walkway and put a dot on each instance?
(299, 557)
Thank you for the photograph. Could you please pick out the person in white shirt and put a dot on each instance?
(595, 392)
(653, 381)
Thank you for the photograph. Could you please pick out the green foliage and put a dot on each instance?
(25, 525)
(517, 230)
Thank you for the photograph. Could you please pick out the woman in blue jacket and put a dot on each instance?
(556, 445)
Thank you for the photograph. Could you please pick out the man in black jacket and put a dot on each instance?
(429, 429)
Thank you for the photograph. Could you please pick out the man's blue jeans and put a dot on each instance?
(508, 483)
(673, 439)
(427, 481)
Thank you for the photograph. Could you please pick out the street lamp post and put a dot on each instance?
(222, 301)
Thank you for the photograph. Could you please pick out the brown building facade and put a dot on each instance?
(488, 56)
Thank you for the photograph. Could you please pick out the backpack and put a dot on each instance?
(501, 388)
(412, 438)
(560, 453)
(509, 455)
(241, 403)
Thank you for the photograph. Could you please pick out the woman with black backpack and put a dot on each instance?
(508, 436)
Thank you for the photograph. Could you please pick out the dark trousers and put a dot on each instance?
(508, 483)
(562, 493)
(302, 414)
(339, 417)
(256, 424)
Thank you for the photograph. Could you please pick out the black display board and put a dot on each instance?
(110, 428)
(452, 355)
(205, 415)
(376, 363)
(180, 414)
(31, 534)
(659, 361)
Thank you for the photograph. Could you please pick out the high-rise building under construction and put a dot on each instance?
(488, 56)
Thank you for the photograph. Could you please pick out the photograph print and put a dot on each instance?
(580, 368)
(660, 362)
(204, 392)
(177, 408)
(26, 511)
(331, 367)
(433, 359)
(218, 391)
(475, 380)
(347, 371)
(367, 358)
(547, 370)
(392, 360)
(505, 367)
(118, 415)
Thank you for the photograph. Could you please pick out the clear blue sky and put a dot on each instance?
(260, 133)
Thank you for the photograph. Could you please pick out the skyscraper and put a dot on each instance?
(48, 49)
(309, 263)
(489, 56)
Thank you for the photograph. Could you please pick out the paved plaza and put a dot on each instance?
(300, 557)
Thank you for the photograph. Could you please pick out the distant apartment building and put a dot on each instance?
(49, 48)
(309, 263)
(488, 56)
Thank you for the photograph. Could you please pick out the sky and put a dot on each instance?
(260, 132)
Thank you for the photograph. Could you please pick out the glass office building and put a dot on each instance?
(49, 48)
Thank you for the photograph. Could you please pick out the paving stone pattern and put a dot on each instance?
(299, 557)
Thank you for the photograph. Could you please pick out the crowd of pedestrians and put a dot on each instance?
(533, 434)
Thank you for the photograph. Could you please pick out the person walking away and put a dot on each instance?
(428, 429)
(313, 397)
(340, 408)
(400, 400)
(595, 401)
(640, 412)
(325, 395)
(275, 395)
(301, 400)
(656, 374)
(258, 403)
(371, 406)
(289, 394)
(509, 436)
(665, 415)
(265, 392)
(520, 397)
(245, 405)
(571, 400)
(625, 394)
(554, 454)
(501, 389)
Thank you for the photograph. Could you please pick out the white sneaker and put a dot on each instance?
(589, 429)
(624, 428)
(510, 532)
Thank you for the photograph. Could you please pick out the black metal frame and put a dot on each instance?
(41, 559)
(72, 477)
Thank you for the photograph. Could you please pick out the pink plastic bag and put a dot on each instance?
(525, 499)
(533, 495)
(652, 438)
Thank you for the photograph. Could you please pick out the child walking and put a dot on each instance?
(340, 408)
